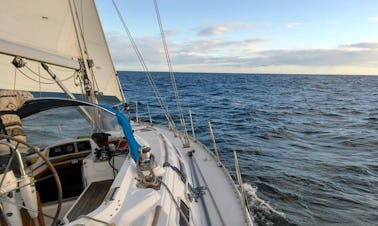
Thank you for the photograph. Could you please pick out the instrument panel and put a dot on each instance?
(70, 148)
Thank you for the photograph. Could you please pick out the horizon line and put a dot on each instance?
(249, 73)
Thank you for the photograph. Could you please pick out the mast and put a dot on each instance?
(85, 67)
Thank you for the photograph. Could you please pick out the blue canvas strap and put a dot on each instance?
(127, 130)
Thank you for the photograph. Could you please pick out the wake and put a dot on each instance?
(263, 213)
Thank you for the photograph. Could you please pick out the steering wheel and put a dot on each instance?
(13, 144)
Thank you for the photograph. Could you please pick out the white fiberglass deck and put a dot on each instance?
(221, 199)
(183, 178)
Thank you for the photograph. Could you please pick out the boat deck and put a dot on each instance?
(221, 199)
(91, 199)
(192, 183)
(221, 202)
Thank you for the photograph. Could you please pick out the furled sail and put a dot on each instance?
(61, 33)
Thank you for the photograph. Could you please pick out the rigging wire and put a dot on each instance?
(147, 72)
(27, 76)
(48, 79)
(173, 79)
(39, 80)
(39, 77)
(14, 79)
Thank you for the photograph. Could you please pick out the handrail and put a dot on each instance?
(191, 124)
(240, 182)
(214, 145)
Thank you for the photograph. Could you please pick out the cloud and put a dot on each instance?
(361, 45)
(294, 24)
(306, 60)
(124, 55)
(119, 47)
(218, 47)
(233, 55)
(214, 30)
(223, 28)
(170, 32)
(375, 19)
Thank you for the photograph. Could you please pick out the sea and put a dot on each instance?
(307, 144)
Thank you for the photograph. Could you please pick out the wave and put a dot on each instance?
(262, 212)
(308, 142)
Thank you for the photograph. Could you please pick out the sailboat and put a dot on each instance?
(54, 61)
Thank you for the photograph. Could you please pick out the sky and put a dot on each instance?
(246, 36)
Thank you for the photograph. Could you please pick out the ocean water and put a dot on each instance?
(307, 145)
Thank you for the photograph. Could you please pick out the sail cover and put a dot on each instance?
(44, 31)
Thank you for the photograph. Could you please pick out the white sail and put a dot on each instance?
(98, 51)
(44, 31)
(46, 26)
